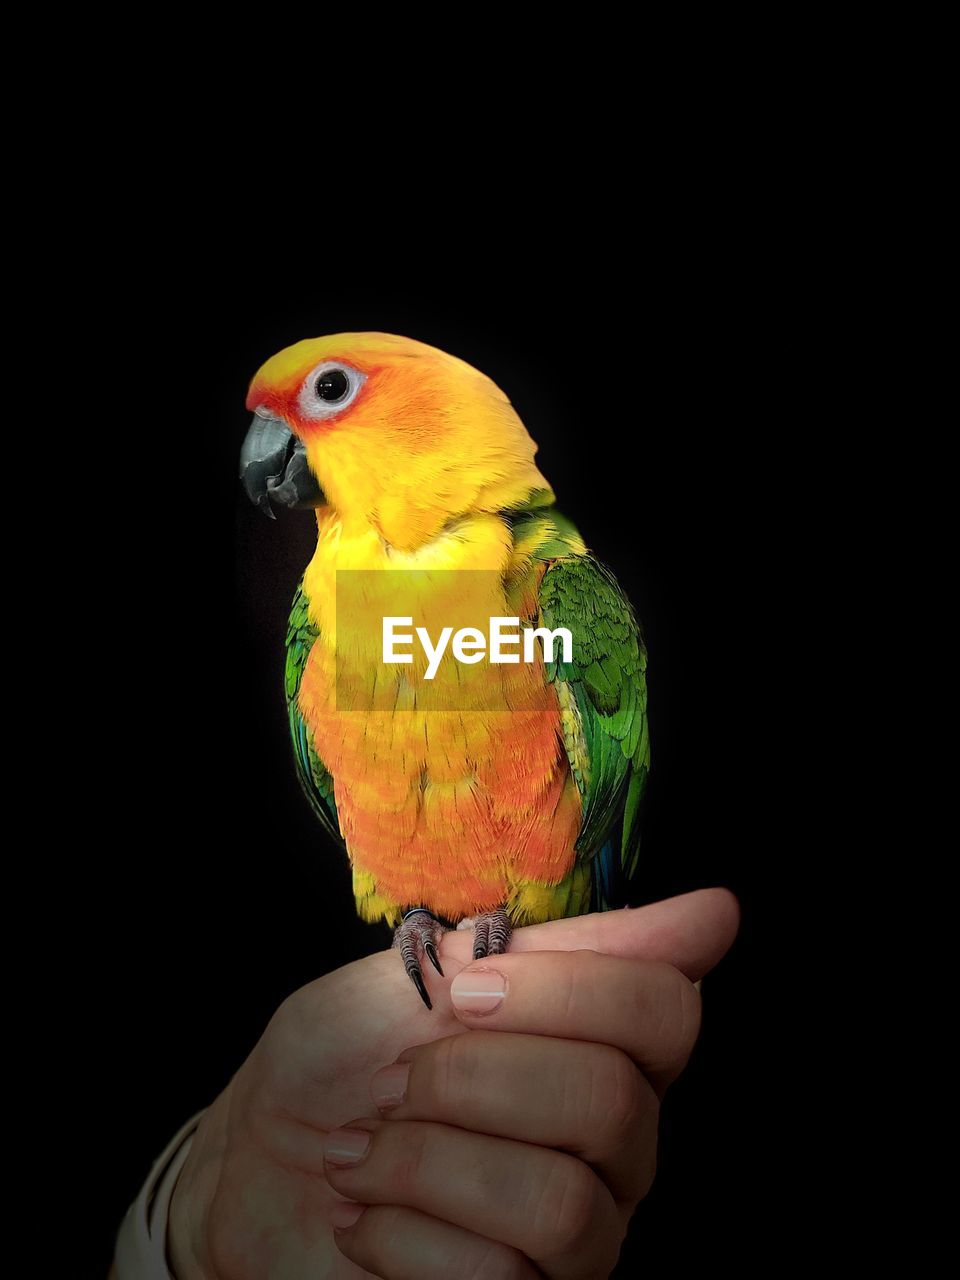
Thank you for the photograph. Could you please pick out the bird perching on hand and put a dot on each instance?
(492, 793)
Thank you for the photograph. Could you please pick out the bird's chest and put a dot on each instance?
(447, 806)
(397, 707)
(448, 782)
(402, 684)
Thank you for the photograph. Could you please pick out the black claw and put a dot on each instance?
(431, 951)
(417, 936)
(417, 979)
(491, 935)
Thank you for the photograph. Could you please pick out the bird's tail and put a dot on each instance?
(609, 882)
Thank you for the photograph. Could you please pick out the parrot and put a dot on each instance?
(493, 796)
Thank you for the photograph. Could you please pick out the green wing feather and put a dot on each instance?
(608, 682)
(315, 779)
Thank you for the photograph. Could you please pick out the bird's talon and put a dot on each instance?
(417, 977)
(417, 936)
(480, 935)
(491, 934)
(432, 956)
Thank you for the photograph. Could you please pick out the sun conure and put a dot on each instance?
(492, 794)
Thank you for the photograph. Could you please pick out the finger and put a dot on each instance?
(587, 1099)
(404, 1244)
(644, 1007)
(693, 932)
(547, 1204)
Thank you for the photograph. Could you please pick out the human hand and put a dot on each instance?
(520, 1149)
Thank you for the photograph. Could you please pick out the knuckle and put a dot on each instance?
(492, 1262)
(407, 1155)
(564, 1208)
(381, 1231)
(299, 1008)
(676, 1017)
(618, 1094)
(453, 1069)
(688, 1028)
(631, 1127)
(387, 1235)
(567, 981)
(647, 1173)
(292, 1027)
(286, 1020)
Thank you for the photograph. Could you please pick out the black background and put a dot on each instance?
(663, 385)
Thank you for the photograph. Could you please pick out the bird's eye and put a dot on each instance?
(332, 386)
(329, 389)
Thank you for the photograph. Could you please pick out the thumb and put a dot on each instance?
(692, 932)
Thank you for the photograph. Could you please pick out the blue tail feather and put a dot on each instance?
(606, 876)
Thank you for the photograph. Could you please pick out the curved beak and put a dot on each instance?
(273, 468)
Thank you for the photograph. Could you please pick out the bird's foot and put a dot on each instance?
(418, 935)
(491, 933)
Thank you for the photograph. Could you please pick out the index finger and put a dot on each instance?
(646, 1008)
(692, 931)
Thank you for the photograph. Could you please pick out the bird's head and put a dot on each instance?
(386, 430)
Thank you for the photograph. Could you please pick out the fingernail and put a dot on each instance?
(344, 1214)
(344, 1147)
(388, 1088)
(478, 992)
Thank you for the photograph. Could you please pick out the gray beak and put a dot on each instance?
(273, 468)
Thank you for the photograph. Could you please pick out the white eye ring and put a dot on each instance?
(313, 405)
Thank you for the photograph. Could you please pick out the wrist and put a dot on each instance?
(141, 1240)
(186, 1242)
